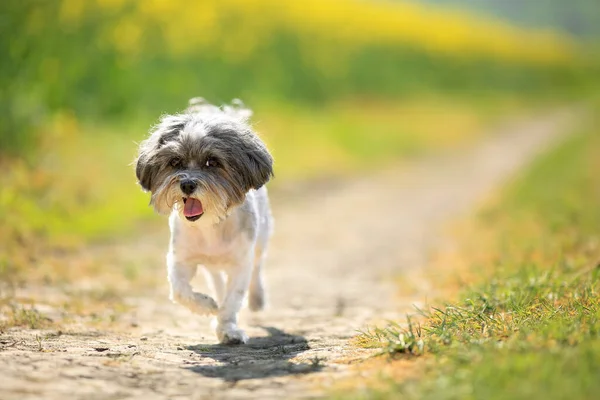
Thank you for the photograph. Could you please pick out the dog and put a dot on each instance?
(208, 169)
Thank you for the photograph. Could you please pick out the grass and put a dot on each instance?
(13, 315)
(96, 307)
(528, 326)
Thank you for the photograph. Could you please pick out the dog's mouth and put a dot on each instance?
(192, 208)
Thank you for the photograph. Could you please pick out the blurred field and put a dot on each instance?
(337, 86)
(107, 59)
(81, 184)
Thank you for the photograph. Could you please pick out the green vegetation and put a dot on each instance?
(27, 316)
(109, 59)
(529, 328)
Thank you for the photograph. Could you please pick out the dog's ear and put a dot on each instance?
(166, 130)
(144, 171)
(258, 165)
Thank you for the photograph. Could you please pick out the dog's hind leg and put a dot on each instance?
(257, 296)
(180, 275)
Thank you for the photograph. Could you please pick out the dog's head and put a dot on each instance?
(203, 161)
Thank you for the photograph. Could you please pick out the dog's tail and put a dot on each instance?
(237, 108)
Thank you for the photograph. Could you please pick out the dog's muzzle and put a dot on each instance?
(188, 186)
(192, 207)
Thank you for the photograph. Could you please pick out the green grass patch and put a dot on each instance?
(14, 315)
(529, 328)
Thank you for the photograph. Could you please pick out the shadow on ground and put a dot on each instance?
(261, 357)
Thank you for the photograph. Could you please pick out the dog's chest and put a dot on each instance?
(210, 242)
(210, 246)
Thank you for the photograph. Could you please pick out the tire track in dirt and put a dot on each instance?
(331, 269)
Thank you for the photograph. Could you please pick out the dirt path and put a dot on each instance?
(335, 253)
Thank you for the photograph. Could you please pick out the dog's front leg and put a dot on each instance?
(180, 274)
(228, 331)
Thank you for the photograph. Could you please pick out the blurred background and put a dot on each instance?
(337, 87)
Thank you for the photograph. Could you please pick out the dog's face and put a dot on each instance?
(202, 162)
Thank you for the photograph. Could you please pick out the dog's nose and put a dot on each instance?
(188, 186)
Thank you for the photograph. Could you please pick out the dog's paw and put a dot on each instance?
(231, 334)
(198, 303)
(205, 305)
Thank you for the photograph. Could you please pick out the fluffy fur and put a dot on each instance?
(210, 155)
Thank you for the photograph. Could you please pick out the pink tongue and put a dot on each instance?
(192, 207)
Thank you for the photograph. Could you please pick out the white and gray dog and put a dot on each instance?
(207, 168)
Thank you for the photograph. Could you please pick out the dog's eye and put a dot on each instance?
(211, 163)
(175, 162)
